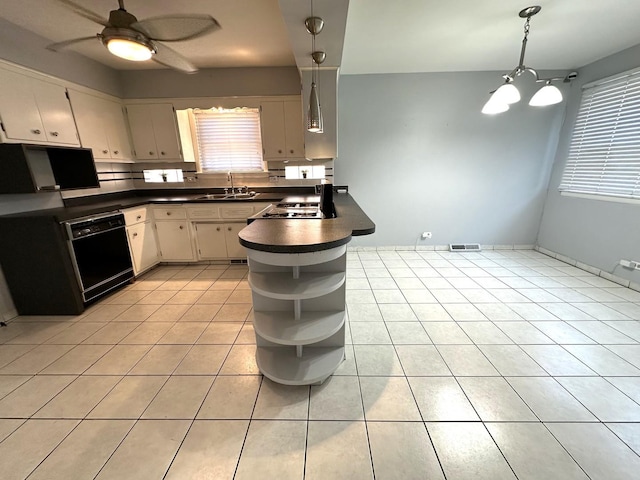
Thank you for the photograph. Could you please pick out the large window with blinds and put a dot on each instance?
(604, 155)
(227, 140)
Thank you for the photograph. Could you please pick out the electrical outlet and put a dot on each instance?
(426, 235)
(273, 179)
(630, 264)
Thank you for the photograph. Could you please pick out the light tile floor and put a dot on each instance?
(491, 365)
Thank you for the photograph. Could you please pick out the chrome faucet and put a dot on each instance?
(230, 179)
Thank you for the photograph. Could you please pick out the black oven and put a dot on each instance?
(99, 253)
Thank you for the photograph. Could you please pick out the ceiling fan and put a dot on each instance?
(127, 37)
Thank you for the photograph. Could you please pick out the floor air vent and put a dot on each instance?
(464, 247)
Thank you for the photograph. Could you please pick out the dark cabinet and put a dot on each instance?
(26, 168)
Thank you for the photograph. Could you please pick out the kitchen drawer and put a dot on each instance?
(169, 213)
(135, 215)
(203, 212)
(242, 211)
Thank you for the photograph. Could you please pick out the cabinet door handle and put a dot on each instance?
(54, 134)
(229, 228)
(218, 229)
(135, 235)
(162, 153)
(116, 152)
(290, 151)
(181, 227)
(150, 153)
(105, 151)
(279, 151)
(35, 131)
(168, 213)
(138, 217)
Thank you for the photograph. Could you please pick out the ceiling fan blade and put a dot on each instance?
(55, 47)
(85, 12)
(170, 58)
(172, 28)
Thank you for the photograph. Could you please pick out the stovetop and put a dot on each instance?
(291, 210)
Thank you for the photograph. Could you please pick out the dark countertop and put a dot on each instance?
(309, 235)
(271, 235)
(114, 203)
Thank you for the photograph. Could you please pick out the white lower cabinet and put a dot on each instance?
(210, 240)
(142, 239)
(144, 249)
(219, 240)
(201, 231)
(234, 249)
(174, 241)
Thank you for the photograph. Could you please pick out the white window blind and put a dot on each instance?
(604, 156)
(228, 139)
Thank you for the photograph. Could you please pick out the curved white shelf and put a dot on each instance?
(282, 285)
(284, 329)
(296, 259)
(282, 366)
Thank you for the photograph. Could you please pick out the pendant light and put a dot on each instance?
(508, 93)
(314, 26)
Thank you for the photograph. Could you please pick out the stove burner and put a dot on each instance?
(292, 210)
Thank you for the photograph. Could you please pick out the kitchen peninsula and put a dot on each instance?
(297, 273)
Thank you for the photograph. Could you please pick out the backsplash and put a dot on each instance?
(121, 177)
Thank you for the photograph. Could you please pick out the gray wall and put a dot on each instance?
(25, 48)
(212, 82)
(418, 156)
(595, 232)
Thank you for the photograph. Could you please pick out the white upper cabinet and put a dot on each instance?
(154, 131)
(34, 110)
(101, 125)
(282, 133)
(294, 133)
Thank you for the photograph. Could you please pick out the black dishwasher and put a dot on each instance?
(99, 253)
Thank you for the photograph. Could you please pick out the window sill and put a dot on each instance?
(604, 198)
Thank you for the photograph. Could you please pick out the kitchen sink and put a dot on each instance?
(239, 196)
(228, 196)
(213, 196)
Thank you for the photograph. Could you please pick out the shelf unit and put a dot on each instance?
(299, 313)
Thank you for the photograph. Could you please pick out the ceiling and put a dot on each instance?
(474, 35)
(380, 36)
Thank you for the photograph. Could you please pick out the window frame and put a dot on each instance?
(603, 157)
(196, 148)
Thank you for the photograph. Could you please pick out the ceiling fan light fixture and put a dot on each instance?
(136, 50)
(547, 95)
